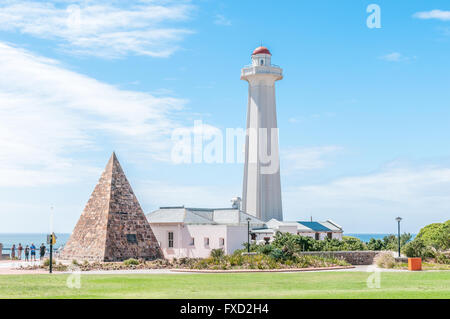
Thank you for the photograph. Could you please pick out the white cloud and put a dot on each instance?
(433, 14)
(100, 28)
(411, 192)
(392, 57)
(222, 20)
(48, 113)
(304, 159)
(160, 193)
(397, 57)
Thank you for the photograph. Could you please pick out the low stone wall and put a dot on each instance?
(364, 257)
(401, 259)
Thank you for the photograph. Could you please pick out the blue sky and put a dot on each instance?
(363, 113)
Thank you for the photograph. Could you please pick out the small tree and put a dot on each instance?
(417, 248)
(375, 244)
(436, 235)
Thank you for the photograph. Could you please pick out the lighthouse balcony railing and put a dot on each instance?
(251, 65)
(258, 69)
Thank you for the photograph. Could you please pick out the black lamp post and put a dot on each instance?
(398, 219)
(248, 234)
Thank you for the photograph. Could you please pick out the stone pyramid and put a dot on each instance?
(112, 226)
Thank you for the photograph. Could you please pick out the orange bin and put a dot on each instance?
(414, 264)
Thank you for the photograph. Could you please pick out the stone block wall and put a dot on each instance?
(112, 226)
(401, 259)
(352, 257)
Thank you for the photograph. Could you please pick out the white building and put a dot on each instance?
(316, 230)
(194, 232)
(261, 193)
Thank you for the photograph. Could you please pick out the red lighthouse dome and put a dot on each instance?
(261, 50)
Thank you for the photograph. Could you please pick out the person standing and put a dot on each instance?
(27, 253)
(19, 251)
(42, 250)
(33, 252)
(13, 252)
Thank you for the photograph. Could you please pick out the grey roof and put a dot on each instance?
(213, 216)
(176, 215)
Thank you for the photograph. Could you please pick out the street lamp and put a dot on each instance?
(248, 234)
(398, 219)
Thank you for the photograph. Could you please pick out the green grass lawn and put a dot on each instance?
(259, 285)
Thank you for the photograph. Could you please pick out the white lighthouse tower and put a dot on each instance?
(261, 195)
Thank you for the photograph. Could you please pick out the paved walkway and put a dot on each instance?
(9, 267)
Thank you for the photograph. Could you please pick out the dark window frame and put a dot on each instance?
(132, 238)
(170, 239)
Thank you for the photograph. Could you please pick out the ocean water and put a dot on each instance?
(27, 239)
(366, 237)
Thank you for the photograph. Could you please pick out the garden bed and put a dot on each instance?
(218, 261)
(261, 270)
(386, 260)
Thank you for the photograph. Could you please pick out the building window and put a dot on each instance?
(170, 236)
(206, 242)
(262, 62)
(192, 243)
(330, 235)
(131, 238)
(317, 236)
(221, 242)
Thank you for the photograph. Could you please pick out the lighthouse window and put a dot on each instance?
(262, 62)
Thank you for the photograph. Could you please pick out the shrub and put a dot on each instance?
(253, 247)
(217, 253)
(60, 267)
(47, 262)
(266, 249)
(385, 260)
(277, 254)
(351, 243)
(375, 244)
(417, 248)
(131, 261)
(436, 235)
(74, 262)
(442, 259)
(291, 244)
(236, 259)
